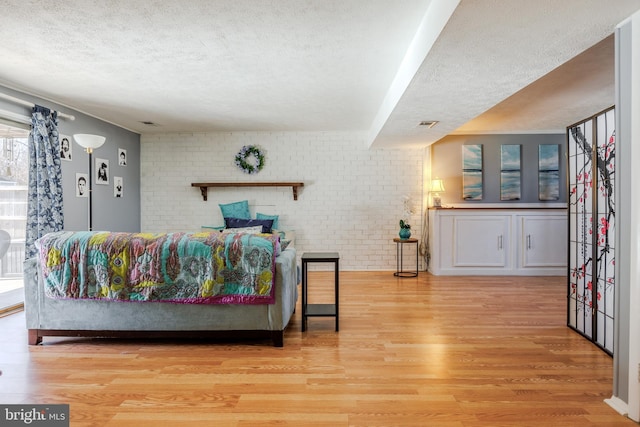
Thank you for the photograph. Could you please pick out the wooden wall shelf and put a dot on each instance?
(204, 186)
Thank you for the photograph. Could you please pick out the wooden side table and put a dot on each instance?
(320, 310)
(400, 272)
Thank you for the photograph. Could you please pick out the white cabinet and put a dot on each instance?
(544, 241)
(480, 241)
(498, 242)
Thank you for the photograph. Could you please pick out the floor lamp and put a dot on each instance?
(89, 143)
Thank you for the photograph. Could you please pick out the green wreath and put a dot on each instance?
(247, 152)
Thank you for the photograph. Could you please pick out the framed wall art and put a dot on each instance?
(510, 172)
(122, 157)
(66, 148)
(82, 188)
(102, 171)
(118, 186)
(548, 172)
(472, 172)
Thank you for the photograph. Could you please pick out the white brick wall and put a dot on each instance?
(351, 201)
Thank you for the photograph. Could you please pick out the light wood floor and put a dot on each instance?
(429, 351)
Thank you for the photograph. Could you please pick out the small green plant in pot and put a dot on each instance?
(405, 230)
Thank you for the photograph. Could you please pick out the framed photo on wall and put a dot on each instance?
(118, 187)
(122, 157)
(102, 171)
(82, 185)
(66, 147)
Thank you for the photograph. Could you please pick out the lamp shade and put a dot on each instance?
(86, 140)
(437, 186)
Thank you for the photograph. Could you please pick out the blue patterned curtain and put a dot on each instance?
(44, 205)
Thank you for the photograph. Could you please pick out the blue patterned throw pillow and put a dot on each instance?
(235, 210)
(273, 217)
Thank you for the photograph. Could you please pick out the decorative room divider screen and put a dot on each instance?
(591, 279)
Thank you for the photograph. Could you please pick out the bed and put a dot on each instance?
(104, 295)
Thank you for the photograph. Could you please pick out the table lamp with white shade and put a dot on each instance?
(437, 187)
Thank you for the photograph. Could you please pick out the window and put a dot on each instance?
(14, 176)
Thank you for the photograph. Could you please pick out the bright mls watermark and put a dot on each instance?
(34, 415)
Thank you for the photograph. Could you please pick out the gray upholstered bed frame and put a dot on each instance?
(90, 318)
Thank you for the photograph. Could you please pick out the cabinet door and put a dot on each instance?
(481, 241)
(543, 241)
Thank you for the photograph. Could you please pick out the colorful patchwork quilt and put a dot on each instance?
(190, 268)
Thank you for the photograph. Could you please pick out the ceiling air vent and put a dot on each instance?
(429, 123)
(148, 123)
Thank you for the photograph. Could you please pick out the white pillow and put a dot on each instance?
(251, 230)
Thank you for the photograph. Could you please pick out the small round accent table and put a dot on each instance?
(400, 272)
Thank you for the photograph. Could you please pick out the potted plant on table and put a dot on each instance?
(405, 229)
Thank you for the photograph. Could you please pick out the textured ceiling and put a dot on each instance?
(374, 66)
(575, 90)
(494, 51)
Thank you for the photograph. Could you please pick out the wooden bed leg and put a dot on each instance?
(34, 337)
(278, 338)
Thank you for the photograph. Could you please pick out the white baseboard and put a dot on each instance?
(486, 271)
(618, 405)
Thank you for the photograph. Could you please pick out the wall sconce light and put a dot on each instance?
(437, 187)
(89, 143)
